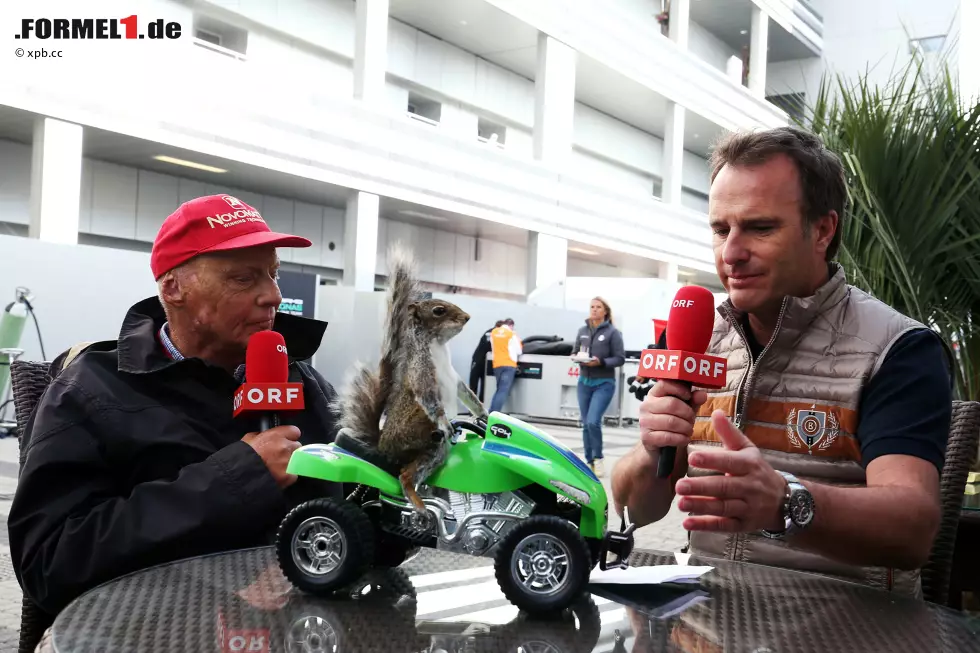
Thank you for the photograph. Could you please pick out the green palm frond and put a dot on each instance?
(911, 237)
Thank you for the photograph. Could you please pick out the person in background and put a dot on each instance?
(478, 365)
(597, 380)
(507, 348)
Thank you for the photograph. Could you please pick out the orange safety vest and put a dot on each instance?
(500, 339)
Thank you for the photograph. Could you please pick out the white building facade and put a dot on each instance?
(510, 143)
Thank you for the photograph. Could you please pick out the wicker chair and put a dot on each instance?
(961, 453)
(28, 380)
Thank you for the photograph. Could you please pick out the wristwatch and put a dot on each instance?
(797, 508)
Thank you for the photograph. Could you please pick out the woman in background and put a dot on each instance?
(597, 381)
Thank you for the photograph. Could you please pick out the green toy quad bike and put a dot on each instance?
(505, 489)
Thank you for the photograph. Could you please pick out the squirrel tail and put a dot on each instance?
(363, 402)
(361, 405)
(403, 291)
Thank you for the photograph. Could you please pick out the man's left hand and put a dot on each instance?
(748, 496)
(595, 362)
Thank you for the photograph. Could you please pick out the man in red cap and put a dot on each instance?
(134, 456)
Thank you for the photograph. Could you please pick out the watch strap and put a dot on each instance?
(787, 521)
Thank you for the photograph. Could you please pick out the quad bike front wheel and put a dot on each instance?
(324, 544)
(543, 564)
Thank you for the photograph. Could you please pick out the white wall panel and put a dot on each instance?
(606, 174)
(401, 234)
(599, 133)
(491, 270)
(157, 198)
(381, 267)
(516, 269)
(445, 258)
(85, 197)
(697, 173)
(279, 215)
(693, 201)
(15, 182)
(464, 273)
(188, 189)
(402, 45)
(425, 251)
(308, 223)
(333, 232)
(709, 48)
(428, 61)
(114, 200)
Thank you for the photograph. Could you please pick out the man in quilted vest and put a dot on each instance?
(824, 449)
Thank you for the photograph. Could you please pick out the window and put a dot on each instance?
(221, 37)
(490, 132)
(424, 109)
(929, 51)
(928, 44)
(792, 103)
(210, 37)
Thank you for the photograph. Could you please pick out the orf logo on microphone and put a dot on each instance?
(699, 369)
(268, 397)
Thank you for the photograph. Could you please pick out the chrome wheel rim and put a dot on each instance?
(312, 635)
(540, 564)
(318, 546)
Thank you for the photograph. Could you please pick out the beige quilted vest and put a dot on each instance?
(798, 402)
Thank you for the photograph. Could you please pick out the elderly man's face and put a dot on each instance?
(228, 296)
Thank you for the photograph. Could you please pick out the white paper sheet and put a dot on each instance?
(648, 575)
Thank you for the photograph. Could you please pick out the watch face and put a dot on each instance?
(801, 508)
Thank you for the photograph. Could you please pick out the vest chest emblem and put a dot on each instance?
(812, 428)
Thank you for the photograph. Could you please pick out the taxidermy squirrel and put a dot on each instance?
(415, 390)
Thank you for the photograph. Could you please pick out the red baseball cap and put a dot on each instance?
(213, 223)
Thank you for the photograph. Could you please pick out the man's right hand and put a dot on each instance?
(275, 447)
(666, 420)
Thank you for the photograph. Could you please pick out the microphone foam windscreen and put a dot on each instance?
(266, 360)
(691, 320)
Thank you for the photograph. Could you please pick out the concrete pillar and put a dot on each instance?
(758, 51)
(554, 100)
(673, 164)
(547, 264)
(668, 271)
(56, 181)
(680, 22)
(371, 51)
(361, 240)
(969, 52)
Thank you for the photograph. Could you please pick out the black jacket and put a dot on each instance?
(605, 342)
(135, 460)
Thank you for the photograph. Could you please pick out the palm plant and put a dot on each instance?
(911, 152)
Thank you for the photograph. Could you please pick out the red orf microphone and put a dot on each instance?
(689, 326)
(266, 389)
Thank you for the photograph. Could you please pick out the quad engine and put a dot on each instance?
(464, 523)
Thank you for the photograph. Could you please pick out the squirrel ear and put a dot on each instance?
(413, 310)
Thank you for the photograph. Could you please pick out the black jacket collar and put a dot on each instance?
(140, 350)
